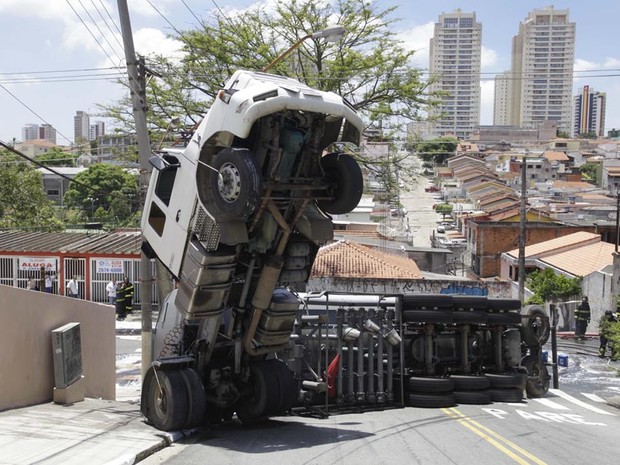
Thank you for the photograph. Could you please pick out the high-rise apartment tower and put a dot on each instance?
(589, 113)
(455, 64)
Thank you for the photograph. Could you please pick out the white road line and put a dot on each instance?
(575, 401)
(593, 397)
(551, 404)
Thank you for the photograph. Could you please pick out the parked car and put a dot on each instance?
(441, 229)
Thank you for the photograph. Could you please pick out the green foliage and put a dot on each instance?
(548, 286)
(589, 171)
(587, 135)
(56, 157)
(370, 67)
(104, 191)
(436, 150)
(444, 208)
(23, 204)
(562, 134)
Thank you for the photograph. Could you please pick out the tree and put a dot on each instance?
(589, 171)
(444, 209)
(23, 204)
(547, 286)
(56, 157)
(369, 66)
(437, 150)
(103, 186)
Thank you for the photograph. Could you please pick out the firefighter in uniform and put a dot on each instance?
(128, 296)
(120, 301)
(582, 318)
(608, 320)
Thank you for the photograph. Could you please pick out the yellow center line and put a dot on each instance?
(493, 438)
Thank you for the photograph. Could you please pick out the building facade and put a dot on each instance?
(589, 113)
(543, 54)
(81, 127)
(32, 132)
(501, 101)
(455, 55)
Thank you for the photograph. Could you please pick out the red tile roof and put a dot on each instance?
(347, 259)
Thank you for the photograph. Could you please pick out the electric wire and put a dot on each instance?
(107, 25)
(101, 32)
(190, 10)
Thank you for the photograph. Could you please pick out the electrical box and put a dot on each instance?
(67, 347)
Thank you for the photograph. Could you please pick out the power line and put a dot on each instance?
(190, 10)
(106, 22)
(100, 31)
(32, 111)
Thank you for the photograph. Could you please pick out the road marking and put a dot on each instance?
(575, 401)
(551, 404)
(494, 438)
(593, 397)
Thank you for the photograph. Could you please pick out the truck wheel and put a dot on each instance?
(504, 318)
(470, 382)
(537, 377)
(344, 176)
(472, 397)
(443, 400)
(233, 193)
(499, 303)
(165, 396)
(472, 317)
(506, 380)
(535, 327)
(197, 398)
(506, 394)
(427, 316)
(287, 386)
(263, 399)
(429, 384)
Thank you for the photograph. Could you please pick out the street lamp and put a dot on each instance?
(92, 207)
(330, 34)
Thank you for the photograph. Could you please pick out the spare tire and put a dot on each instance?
(535, 328)
(429, 384)
(346, 183)
(537, 376)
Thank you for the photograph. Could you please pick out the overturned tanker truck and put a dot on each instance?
(236, 219)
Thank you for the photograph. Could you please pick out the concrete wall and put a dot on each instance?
(26, 364)
(414, 286)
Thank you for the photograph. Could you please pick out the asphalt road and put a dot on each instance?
(556, 431)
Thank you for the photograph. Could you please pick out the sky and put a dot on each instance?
(61, 56)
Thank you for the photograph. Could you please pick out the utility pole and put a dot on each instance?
(137, 88)
(522, 229)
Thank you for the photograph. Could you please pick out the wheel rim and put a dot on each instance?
(161, 402)
(229, 182)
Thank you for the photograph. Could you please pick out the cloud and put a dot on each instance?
(418, 39)
(150, 41)
(487, 97)
(488, 60)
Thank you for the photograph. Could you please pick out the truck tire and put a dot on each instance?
(478, 302)
(507, 380)
(535, 328)
(427, 316)
(427, 302)
(504, 318)
(506, 394)
(233, 192)
(344, 176)
(443, 400)
(470, 382)
(537, 376)
(165, 396)
(472, 317)
(504, 304)
(263, 397)
(196, 396)
(287, 385)
(429, 384)
(479, 397)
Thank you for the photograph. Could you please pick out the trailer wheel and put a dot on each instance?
(472, 317)
(287, 386)
(470, 382)
(263, 398)
(197, 398)
(507, 380)
(538, 377)
(472, 397)
(443, 400)
(429, 384)
(506, 394)
(165, 399)
(233, 191)
(346, 183)
(427, 316)
(503, 304)
(504, 318)
(535, 327)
